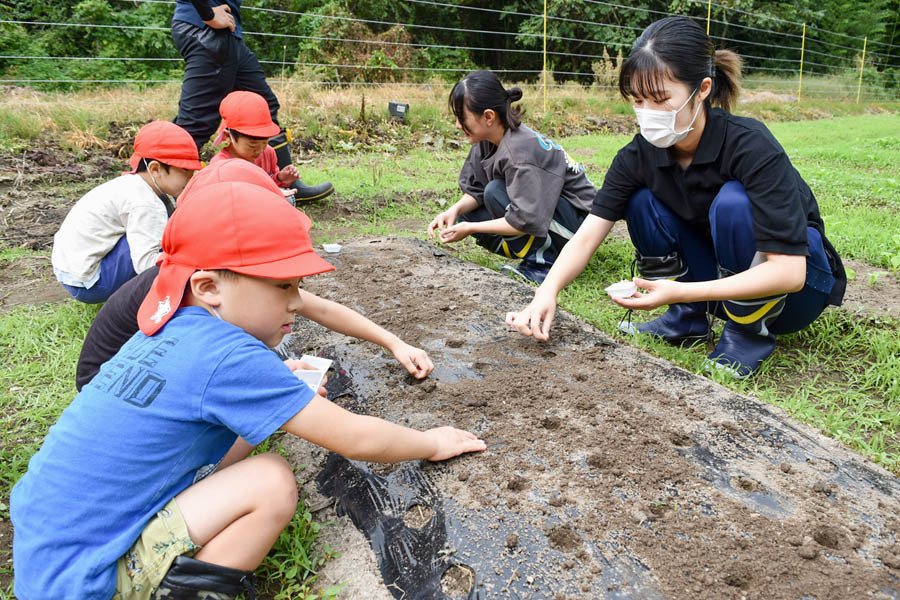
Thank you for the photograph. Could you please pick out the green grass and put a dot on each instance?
(40, 346)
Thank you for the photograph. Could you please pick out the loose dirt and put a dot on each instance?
(608, 474)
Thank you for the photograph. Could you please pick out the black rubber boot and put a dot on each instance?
(741, 350)
(306, 193)
(528, 270)
(680, 324)
(191, 579)
(746, 340)
(303, 193)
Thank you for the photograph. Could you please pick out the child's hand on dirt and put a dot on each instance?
(288, 175)
(454, 233)
(441, 222)
(450, 442)
(297, 365)
(415, 360)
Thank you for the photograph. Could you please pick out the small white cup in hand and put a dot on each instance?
(622, 289)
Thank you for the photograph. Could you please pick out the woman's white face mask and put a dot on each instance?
(658, 126)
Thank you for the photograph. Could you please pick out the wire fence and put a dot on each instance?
(804, 61)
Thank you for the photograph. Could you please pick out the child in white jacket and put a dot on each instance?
(114, 231)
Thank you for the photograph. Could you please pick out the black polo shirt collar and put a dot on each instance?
(713, 137)
(707, 149)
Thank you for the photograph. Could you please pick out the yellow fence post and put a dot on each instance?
(545, 56)
(802, 49)
(861, 64)
(708, 15)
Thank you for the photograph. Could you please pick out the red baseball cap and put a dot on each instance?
(229, 169)
(248, 113)
(237, 226)
(168, 143)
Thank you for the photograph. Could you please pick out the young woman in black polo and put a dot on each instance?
(721, 221)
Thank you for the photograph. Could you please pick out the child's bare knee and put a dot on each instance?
(277, 484)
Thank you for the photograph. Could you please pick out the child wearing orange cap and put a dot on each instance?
(146, 477)
(246, 128)
(117, 320)
(113, 232)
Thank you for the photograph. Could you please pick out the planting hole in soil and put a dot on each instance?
(458, 581)
(418, 516)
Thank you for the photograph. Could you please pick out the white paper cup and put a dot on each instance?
(332, 248)
(313, 378)
(323, 364)
(622, 289)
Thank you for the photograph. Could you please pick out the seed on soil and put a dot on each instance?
(418, 516)
(828, 536)
(785, 468)
(598, 461)
(745, 484)
(891, 561)
(564, 538)
(825, 487)
(681, 439)
(474, 402)
(551, 423)
(739, 579)
(517, 484)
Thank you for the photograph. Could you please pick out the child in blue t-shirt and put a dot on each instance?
(145, 482)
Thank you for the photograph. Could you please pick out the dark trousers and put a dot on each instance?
(215, 64)
(116, 268)
(730, 243)
(538, 250)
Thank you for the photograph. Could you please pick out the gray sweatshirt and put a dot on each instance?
(537, 172)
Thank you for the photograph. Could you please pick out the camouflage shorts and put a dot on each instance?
(143, 567)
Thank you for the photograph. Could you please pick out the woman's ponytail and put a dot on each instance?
(482, 90)
(514, 94)
(726, 79)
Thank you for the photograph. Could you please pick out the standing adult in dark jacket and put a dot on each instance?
(216, 62)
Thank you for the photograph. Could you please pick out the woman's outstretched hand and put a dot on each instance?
(536, 318)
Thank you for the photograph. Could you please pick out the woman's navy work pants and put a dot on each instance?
(728, 246)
